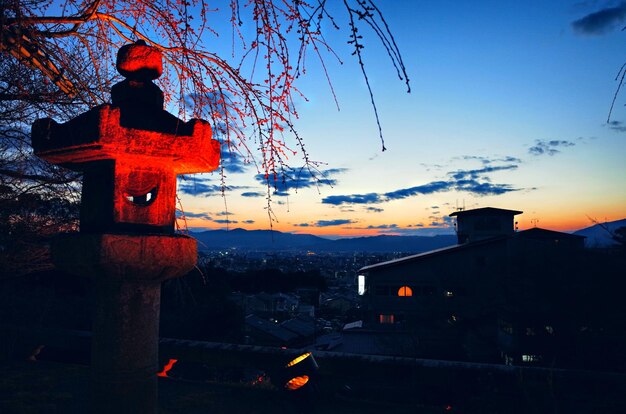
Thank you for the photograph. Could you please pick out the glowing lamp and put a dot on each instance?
(298, 359)
(299, 372)
(130, 152)
(297, 382)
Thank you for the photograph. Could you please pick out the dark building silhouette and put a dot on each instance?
(479, 300)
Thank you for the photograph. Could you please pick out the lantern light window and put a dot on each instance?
(298, 359)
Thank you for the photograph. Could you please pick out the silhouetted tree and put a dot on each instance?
(251, 98)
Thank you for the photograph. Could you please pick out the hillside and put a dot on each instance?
(266, 240)
(598, 236)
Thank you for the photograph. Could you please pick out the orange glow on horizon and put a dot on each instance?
(556, 221)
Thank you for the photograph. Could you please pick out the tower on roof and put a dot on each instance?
(484, 223)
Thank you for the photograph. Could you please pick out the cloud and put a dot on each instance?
(248, 221)
(197, 187)
(224, 213)
(549, 147)
(475, 174)
(371, 198)
(329, 223)
(302, 225)
(302, 178)
(474, 181)
(617, 126)
(203, 186)
(441, 222)
(430, 188)
(383, 226)
(189, 214)
(374, 209)
(484, 188)
(225, 221)
(253, 194)
(232, 162)
(602, 21)
(486, 160)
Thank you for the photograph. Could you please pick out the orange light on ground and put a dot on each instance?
(298, 359)
(297, 382)
(167, 367)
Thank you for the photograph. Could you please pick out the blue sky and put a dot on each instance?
(508, 108)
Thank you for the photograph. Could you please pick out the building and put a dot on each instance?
(472, 300)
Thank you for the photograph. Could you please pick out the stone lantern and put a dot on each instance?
(130, 153)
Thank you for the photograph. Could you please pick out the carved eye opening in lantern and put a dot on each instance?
(297, 382)
(144, 199)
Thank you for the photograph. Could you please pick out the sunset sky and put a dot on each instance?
(508, 108)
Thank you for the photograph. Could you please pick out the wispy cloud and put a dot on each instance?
(190, 214)
(301, 178)
(371, 198)
(248, 221)
(617, 126)
(601, 21)
(383, 227)
(477, 173)
(232, 162)
(543, 147)
(253, 194)
(490, 160)
(204, 186)
(225, 221)
(371, 209)
(329, 223)
(474, 181)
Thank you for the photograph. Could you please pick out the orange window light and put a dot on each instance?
(405, 291)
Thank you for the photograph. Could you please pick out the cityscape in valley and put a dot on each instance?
(342, 293)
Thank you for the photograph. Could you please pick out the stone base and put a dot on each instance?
(125, 256)
(127, 271)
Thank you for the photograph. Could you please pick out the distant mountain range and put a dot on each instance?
(272, 240)
(598, 236)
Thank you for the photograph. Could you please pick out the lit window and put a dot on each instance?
(361, 284)
(448, 293)
(530, 358)
(405, 291)
(382, 318)
(550, 330)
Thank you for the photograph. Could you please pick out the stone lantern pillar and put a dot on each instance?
(130, 153)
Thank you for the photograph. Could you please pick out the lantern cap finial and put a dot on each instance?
(139, 61)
